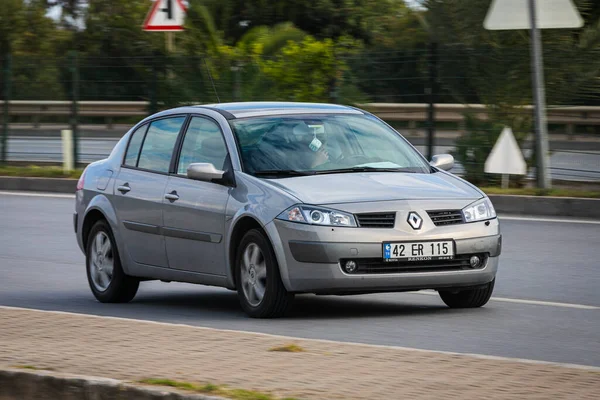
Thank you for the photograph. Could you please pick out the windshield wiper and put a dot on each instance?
(362, 169)
(282, 172)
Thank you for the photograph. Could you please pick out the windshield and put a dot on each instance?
(313, 144)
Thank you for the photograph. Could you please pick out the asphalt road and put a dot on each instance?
(41, 267)
(572, 165)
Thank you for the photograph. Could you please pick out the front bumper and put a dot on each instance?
(309, 257)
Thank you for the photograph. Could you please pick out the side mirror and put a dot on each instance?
(204, 172)
(442, 161)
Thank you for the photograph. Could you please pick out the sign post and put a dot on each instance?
(539, 100)
(535, 15)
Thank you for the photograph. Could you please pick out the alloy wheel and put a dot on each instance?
(101, 261)
(254, 274)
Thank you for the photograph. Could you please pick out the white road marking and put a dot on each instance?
(38, 194)
(270, 335)
(544, 219)
(525, 301)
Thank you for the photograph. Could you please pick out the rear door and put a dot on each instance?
(194, 216)
(140, 187)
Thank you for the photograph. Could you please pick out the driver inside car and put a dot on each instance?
(313, 151)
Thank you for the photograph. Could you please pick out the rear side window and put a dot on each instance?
(159, 143)
(133, 150)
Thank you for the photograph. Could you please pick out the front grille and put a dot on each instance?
(376, 220)
(446, 217)
(378, 266)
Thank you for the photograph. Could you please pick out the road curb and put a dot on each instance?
(504, 204)
(547, 206)
(52, 185)
(18, 384)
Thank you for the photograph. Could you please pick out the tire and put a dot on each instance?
(108, 284)
(472, 298)
(258, 273)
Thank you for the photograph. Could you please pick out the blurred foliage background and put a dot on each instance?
(343, 51)
(317, 50)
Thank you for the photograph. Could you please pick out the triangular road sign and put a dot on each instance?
(165, 15)
(506, 156)
(514, 14)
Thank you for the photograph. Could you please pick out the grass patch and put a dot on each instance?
(27, 367)
(33, 368)
(172, 383)
(209, 388)
(543, 192)
(288, 348)
(39, 171)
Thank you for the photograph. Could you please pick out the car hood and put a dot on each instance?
(375, 186)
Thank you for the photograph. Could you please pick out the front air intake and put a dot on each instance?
(376, 220)
(446, 217)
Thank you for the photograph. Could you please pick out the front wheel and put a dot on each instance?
(259, 286)
(106, 277)
(471, 298)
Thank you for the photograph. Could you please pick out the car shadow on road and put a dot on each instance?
(365, 306)
(222, 304)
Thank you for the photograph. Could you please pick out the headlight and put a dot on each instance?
(317, 216)
(479, 211)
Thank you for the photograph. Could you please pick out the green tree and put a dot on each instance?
(319, 18)
(393, 67)
(492, 67)
(302, 71)
(116, 56)
(31, 38)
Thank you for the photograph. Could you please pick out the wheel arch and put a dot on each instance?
(91, 217)
(239, 228)
(98, 208)
(242, 225)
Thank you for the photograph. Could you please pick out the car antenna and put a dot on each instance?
(211, 81)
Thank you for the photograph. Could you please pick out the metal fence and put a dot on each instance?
(98, 98)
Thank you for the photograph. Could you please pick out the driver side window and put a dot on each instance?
(203, 143)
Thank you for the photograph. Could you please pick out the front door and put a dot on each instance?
(140, 187)
(194, 211)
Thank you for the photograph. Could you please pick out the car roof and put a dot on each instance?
(259, 108)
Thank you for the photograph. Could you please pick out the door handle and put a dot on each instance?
(124, 188)
(173, 196)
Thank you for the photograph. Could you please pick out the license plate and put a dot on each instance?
(419, 251)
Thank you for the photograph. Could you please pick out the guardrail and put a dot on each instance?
(570, 116)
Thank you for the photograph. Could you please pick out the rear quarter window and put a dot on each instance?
(133, 150)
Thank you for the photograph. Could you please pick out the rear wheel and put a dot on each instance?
(259, 286)
(471, 298)
(106, 278)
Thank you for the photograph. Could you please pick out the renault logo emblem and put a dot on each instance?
(414, 220)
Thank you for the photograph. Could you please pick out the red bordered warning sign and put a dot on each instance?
(165, 15)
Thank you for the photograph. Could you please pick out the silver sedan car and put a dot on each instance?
(274, 199)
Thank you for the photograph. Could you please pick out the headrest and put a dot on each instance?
(301, 129)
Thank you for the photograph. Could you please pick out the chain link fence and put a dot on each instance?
(499, 78)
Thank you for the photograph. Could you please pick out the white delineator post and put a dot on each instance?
(67, 150)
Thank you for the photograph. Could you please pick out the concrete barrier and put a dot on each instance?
(52, 185)
(505, 204)
(547, 206)
(18, 384)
